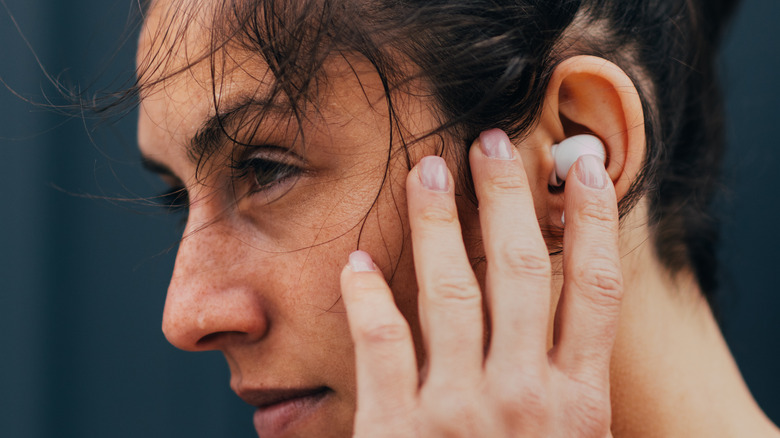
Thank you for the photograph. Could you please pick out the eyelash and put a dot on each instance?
(264, 174)
(175, 200)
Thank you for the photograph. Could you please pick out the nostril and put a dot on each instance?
(251, 331)
(211, 339)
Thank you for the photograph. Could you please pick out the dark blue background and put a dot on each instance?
(83, 280)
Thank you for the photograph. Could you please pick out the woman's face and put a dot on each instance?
(271, 226)
(257, 270)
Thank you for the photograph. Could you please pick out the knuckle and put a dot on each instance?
(523, 262)
(454, 415)
(455, 287)
(438, 214)
(594, 211)
(527, 398)
(512, 183)
(382, 332)
(603, 283)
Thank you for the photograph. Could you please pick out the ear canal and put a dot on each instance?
(567, 152)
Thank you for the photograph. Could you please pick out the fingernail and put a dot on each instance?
(496, 144)
(360, 261)
(433, 174)
(590, 170)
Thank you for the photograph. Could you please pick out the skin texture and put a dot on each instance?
(259, 277)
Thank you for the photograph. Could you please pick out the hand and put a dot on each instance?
(520, 387)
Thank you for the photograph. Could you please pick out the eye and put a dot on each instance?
(264, 174)
(175, 200)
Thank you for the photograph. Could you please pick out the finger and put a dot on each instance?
(386, 367)
(593, 284)
(450, 301)
(518, 266)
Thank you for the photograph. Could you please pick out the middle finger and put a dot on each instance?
(518, 265)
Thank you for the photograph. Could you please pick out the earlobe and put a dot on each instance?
(590, 95)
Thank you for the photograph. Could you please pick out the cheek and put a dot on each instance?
(386, 235)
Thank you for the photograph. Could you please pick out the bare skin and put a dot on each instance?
(257, 274)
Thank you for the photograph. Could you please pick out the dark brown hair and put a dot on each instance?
(487, 64)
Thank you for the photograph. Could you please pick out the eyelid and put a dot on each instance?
(268, 171)
(268, 153)
(271, 153)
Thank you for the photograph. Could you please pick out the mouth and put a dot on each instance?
(278, 410)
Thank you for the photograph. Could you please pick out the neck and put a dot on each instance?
(672, 373)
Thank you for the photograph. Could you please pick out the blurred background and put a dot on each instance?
(83, 280)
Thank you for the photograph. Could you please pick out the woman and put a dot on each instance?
(297, 133)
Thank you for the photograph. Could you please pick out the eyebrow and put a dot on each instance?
(211, 134)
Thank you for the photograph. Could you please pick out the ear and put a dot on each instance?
(590, 95)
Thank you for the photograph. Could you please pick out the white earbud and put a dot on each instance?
(567, 152)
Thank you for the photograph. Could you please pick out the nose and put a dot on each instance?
(211, 299)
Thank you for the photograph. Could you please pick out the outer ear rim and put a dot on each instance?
(626, 143)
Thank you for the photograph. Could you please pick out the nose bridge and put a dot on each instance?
(207, 246)
(209, 300)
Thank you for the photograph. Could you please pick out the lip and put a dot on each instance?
(278, 410)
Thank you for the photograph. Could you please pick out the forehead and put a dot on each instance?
(183, 79)
(185, 82)
(171, 77)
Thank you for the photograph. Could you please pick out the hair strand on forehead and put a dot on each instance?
(487, 65)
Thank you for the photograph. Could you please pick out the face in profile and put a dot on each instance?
(281, 187)
(276, 204)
